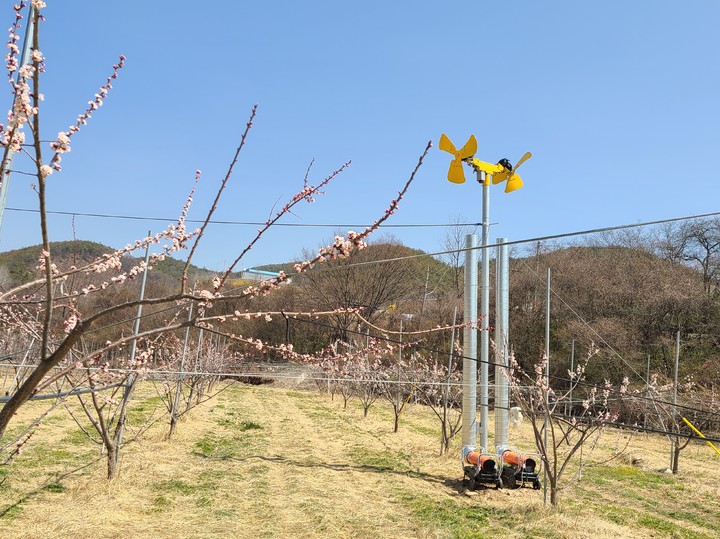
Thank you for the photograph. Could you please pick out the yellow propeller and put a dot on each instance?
(514, 181)
(455, 172)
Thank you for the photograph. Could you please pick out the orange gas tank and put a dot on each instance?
(484, 462)
(512, 458)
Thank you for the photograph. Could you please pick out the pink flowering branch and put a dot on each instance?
(12, 137)
(217, 196)
(175, 238)
(11, 58)
(267, 316)
(307, 194)
(62, 144)
(471, 324)
(327, 358)
(37, 65)
(341, 248)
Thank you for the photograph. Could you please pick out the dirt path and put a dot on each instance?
(327, 471)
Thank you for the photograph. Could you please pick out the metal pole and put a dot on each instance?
(502, 302)
(450, 359)
(469, 409)
(367, 375)
(572, 369)
(446, 396)
(176, 402)
(484, 315)
(24, 56)
(136, 323)
(399, 401)
(673, 441)
(427, 280)
(198, 356)
(133, 349)
(677, 363)
(647, 389)
(547, 382)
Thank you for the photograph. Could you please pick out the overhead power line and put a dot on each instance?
(525, 240)
(243, 223)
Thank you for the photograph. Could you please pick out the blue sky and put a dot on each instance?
(618, 101)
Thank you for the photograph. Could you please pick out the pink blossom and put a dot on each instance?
(62, 144)
(70, 323)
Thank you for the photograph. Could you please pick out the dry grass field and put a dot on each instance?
(277, 462)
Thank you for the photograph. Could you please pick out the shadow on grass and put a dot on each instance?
(454, 484)
(51, 485)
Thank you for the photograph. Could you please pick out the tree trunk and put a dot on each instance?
(553, 487)
(676, 457)
(23, 393)
(28, 388)
(173, 423)
(112, 461)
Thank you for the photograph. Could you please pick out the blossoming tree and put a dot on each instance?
(56, 317)
(559, 436)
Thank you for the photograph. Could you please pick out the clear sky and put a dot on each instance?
(618, 101)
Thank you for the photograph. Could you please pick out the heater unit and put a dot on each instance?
(482, 467)
(521, 469)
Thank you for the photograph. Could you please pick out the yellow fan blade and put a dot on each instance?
(524, 158)
(514, 183)
(499, 177)
(469, 149)
(446, 145)
(456, 173)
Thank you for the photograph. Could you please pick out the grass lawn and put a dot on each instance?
(263, 461)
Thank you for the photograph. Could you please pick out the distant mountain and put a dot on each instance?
(627, 301)
(20, 265)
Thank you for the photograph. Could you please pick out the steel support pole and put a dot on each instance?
(502, 356)
(399, 374)
(674, 440)
(446, 395)
(547, 382)
(469, 409)
(572, 380)
(450, 359)
(181, 375)
(130, 382)
(484, 314)
(24, 57)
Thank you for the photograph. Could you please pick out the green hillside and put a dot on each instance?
(19, 266)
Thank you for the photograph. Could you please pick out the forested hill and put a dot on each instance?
(20, 265)
(627, 301)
